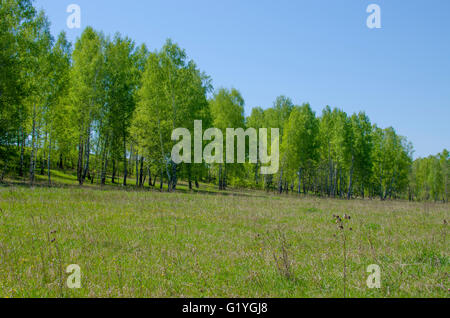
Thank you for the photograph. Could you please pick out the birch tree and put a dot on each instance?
(86, 92)
(300, 143)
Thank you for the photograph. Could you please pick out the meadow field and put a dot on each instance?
(146, 243)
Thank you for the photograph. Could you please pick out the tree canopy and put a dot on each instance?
(105, 108)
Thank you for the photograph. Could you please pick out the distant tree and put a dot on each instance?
(277, 117)
(444, 162)
(172, 95)
(392, 159)
(55, 116)
(122, 76)
(300, 142)
(112, 106)
(256, 120)
(38, 81)
(17, 41)
(360, 151)
(87, 93)
(227, 110)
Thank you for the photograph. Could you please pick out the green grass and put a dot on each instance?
(156, 244)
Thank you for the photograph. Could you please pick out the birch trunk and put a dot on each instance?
(22, 152)
(48, 159)
(32, 156)
(220, 177)
(141, 174)
(87, 153)
(125, 171)
(137, 169)
(149, 176)
(349, 195)
(80, 161)
(299, 181)
(280, 182)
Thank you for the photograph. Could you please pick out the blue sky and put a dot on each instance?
(316, 51)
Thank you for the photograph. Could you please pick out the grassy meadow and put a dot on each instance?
(146, 243)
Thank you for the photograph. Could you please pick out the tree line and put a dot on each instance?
(104, 109)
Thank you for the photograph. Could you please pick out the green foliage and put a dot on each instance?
(300, 141)
(109, 107)
(172, 94)
(86, 79)
(227, 111)
(429, 178)
(17, 20)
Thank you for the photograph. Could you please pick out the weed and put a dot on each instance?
(343, 227)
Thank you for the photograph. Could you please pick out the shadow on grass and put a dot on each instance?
(40, 183)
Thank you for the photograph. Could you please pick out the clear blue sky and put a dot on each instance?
(316, 51)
